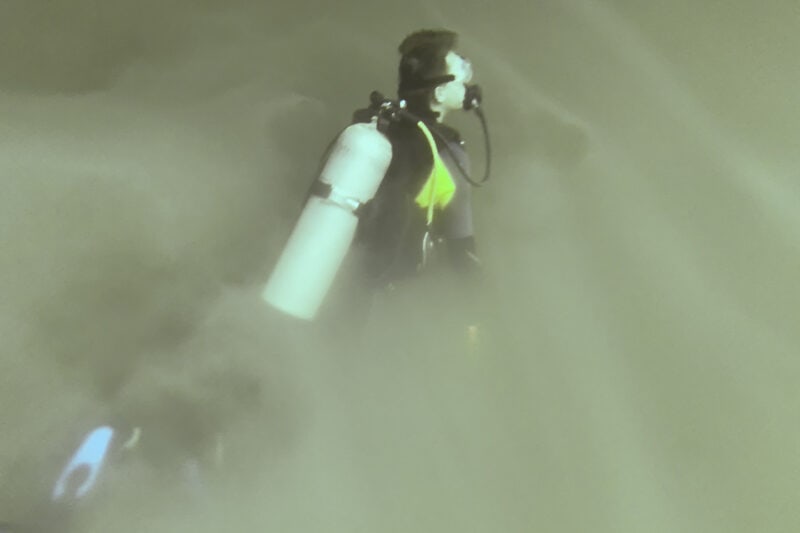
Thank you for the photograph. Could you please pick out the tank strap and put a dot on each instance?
(328, 192)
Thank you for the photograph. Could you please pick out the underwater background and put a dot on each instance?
(637, 361)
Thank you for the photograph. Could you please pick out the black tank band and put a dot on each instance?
(324, 190)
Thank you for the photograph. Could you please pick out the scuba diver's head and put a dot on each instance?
(432, 76)
(452, 95)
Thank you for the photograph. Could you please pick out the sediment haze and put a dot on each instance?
(635, 370)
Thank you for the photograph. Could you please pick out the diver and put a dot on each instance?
(173, 444)
(394, 188)
(409, 215)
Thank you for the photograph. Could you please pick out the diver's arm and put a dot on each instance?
(457, 226)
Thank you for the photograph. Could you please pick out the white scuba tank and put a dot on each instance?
(324, 232)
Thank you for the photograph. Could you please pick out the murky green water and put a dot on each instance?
(637, 362)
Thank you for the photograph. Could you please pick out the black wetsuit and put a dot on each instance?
(392, 228)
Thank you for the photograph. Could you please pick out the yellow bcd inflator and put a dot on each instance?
(439, 188)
